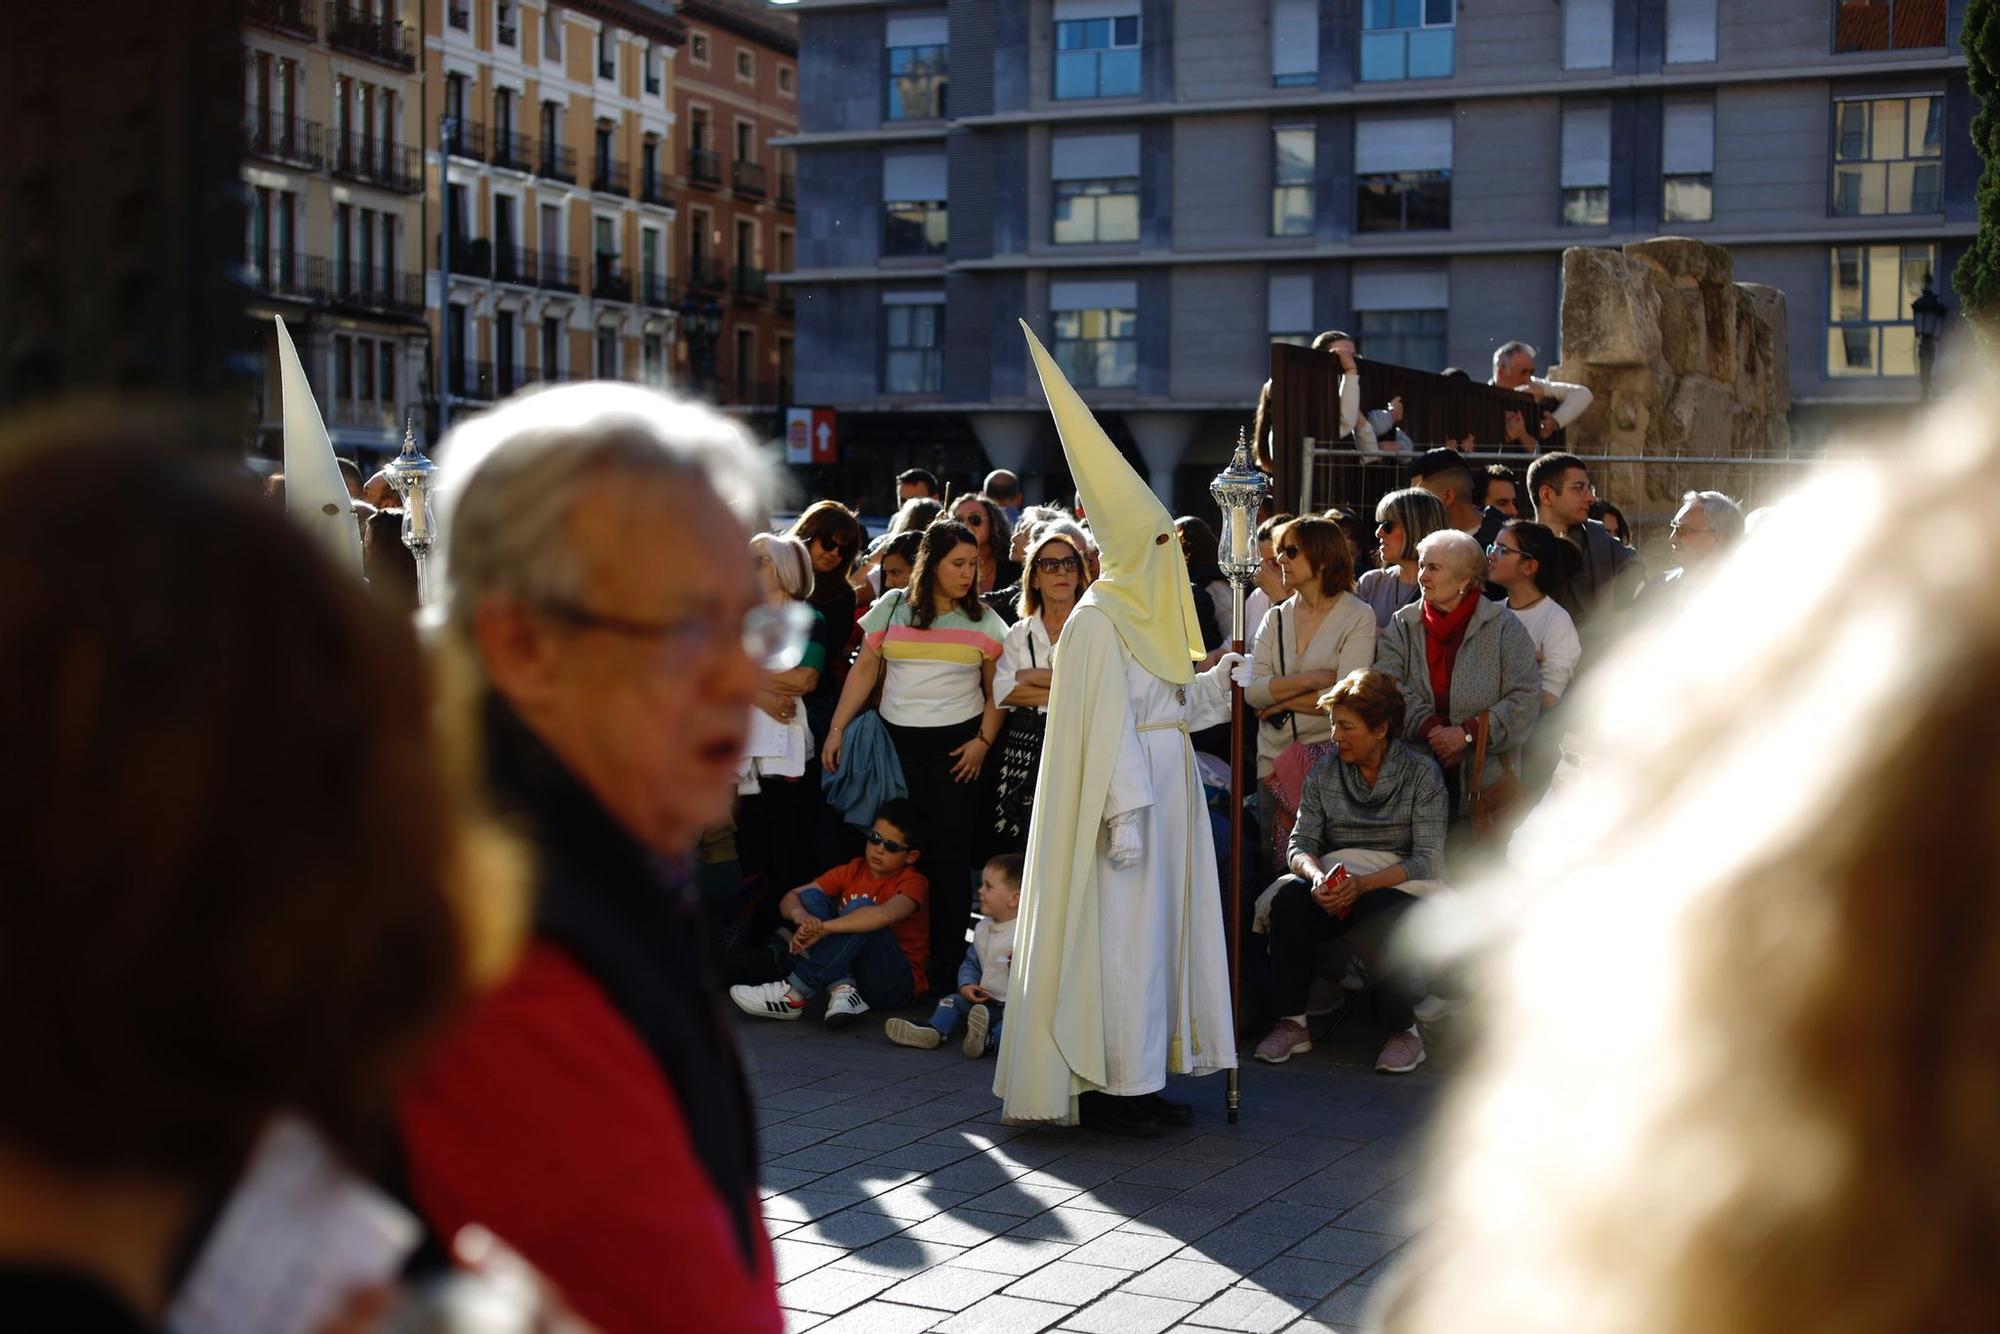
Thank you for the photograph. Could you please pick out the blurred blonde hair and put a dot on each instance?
(1738, 1069)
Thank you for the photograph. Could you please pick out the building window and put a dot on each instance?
(653, 361)
(1097, 57)
(1292, 152)
(916, 83)
(652, 69)
(1403, 337)
(343, 366)
(388, 377)
(1870, 331)
(1095, 188)
(1687, 162)
(1294, 43)
(607, 351)
(1586, 34)
(914, 211)
(458, 13)
(552, 23)
(698, 48)
(1586, 166)
(1407, 39)
(1289, 308)
(607, 54)
(1098, 346)
(913, 344)
(552, 341)
(1690, 31)
(746, 68)
(1402, 174)
(505, 31)
(1887, 25)
(1888, 156)
(785, 80)
(746, 365)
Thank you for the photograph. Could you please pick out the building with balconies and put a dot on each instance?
(552, 228)
(332, 242)
(736, 89)
(1161, 188)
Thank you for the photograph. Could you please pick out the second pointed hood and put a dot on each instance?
(1143, 586)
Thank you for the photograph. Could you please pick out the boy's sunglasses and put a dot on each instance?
(886, 844)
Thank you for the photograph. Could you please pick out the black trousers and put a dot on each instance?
(951, 812)
(1298, 925)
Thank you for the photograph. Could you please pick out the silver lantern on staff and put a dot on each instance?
(413, 475)
(1239, 492)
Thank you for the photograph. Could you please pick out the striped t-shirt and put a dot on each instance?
(931, 676)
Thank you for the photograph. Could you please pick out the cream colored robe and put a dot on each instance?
(1120, 973)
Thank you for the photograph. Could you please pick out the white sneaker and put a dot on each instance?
(906, 1034)
(843, 1006)
(977, 1022)
(1432, 1008)
(769, 1000)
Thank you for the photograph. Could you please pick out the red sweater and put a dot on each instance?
(545, 1118)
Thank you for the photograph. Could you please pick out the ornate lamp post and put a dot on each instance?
(412, 475)
(1239, 492)
(1928, 311)
(701, 323)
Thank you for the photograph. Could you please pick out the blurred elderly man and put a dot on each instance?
(591, 1109)
(1707, 524)
(1514, 368)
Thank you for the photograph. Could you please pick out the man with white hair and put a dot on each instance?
(591, 1108)
(1514, 368)
(1707, 524)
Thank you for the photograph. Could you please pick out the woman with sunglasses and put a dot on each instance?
(933, 646)
(1402, 519)
(1532, 564)
(833, 538)
(983, 515)
(1058, 572)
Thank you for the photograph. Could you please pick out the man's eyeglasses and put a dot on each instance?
(1058, 564)
(886, 844)
(773, 637)
(1682, 530)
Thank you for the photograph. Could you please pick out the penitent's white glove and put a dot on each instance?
(1122, 839)
(1232, 667)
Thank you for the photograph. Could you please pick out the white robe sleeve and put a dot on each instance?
(1132, 777)
(1208, 699)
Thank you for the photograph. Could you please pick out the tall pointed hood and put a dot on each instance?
(314, 493)
(1144, 586)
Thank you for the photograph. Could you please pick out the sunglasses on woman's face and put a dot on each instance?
(828, 542)
(1386, 526)
(1289, 553)
(1058, 564)
(973, 520)
(886, 844)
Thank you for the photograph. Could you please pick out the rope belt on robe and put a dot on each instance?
(1187, 890)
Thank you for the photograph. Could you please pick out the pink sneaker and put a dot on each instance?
(1287, 1038)
(1402, 1053)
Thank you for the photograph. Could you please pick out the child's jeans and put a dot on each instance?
(871, 960)
(951, 1012)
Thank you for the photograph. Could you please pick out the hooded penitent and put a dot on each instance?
(315, 495)
(1143, 586)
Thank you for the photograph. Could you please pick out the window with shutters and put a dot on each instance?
(1402, 175)
(1870, 329)
(1687, 162)
(916, 64)
(1407, 39)
(1690, 31)
(1292, 151)
(1887, 25)
(1399, 314)
(1097, 54)
(1294, 43)
(1289, 307)
(915, 214)
(913, 343)
(1586, 166)
(1888, 155)
(1096, 333)
(1094, 183)
(1587, 31)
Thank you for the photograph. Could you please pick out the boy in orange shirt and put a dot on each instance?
(860, 932)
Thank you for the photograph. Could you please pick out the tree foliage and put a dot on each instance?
(1976, 278)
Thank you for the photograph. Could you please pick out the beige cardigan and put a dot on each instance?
(1344, 642)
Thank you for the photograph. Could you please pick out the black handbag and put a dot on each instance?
(1020, 764)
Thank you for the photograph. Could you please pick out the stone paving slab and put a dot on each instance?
(899, 1203)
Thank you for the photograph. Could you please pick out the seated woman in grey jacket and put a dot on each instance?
(1368, 843)
(1456, 655)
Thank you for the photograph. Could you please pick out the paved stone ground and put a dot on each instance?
(898, 1202)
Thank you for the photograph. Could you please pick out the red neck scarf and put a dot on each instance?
(1443, 633)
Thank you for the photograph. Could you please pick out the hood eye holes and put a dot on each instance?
(1160, 541)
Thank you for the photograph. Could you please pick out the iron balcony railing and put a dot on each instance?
(608, 282)
(748, 178)
(787, 190)
(465, 138)
(287, 16)
(652, 188)
(383, 41)
(749, 283)
(706, 273)
(388, 165)
(288, 274)
(471, 379)
(655, 291)
(471, 256)
(556, 162)
(610, 176)
(289, 139)
(370, 288)
(511, 150)
(516, 264)
(557, 273)
(704, 166)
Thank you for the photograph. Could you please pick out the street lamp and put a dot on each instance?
(701, 322)
(1928, 311)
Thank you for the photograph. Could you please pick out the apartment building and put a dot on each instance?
(1162, 187)
(735, 90)
(332, 98)
(549, 205)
